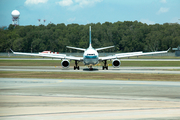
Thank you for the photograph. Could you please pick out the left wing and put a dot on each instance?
(131, 54)
(60, 56)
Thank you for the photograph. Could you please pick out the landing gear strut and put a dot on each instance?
(90, 67)
(105, 65)
(76, 65)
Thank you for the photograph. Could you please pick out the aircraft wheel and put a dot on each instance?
(90, 68)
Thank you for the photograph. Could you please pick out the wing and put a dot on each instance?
(131, 54)
(60, 56)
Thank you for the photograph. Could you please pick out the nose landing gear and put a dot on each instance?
(90, 67)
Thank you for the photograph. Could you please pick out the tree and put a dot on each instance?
(126, 36)
(153, 40)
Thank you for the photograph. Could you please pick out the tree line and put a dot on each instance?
(127, 36)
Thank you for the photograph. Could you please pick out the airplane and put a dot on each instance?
(90, 56)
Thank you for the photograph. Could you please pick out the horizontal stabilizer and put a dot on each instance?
(76, 48)
(104, 48)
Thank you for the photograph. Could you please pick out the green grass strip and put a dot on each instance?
(91, 76)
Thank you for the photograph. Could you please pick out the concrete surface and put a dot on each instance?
(44, 99)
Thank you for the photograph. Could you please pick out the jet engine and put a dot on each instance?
(65, 63)
(116, 63)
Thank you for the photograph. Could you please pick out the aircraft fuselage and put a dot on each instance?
(90, 57)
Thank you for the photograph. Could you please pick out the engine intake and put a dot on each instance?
(65, 63)
(116, 63)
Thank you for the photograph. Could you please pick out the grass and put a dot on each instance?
(58, 63)
(92, 76)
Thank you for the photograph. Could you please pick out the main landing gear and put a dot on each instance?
(76, 65)
(105, 65)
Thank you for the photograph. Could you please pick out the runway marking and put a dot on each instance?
(144, 83)
(92, 111)
(60, 81)
(35, 80)
(135, 83)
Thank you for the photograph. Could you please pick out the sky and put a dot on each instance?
(90, 11)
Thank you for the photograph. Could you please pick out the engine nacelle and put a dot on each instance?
(116, 63)
(65, 63)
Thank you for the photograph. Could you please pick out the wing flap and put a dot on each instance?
(41, 55)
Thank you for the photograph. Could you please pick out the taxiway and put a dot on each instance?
(156, 70)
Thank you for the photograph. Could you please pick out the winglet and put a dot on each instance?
(168, 49)
(11, 50)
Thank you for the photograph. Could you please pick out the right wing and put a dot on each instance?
(60, 56)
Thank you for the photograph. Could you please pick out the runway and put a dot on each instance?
(23, 98)
(151, 70)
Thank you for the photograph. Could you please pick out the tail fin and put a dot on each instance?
(90, 36)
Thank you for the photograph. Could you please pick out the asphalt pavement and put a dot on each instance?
(23, 98)
(151, 70)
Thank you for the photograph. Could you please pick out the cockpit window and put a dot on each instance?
(90, 54)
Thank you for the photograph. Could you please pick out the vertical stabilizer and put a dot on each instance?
(90, 36)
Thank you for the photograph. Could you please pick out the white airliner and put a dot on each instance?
(90, 56)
